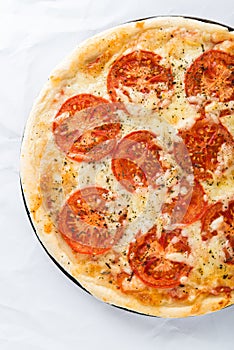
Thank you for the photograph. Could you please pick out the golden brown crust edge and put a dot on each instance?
(205, 306)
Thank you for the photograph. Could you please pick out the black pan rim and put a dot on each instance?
(28, 212)
(200, 19)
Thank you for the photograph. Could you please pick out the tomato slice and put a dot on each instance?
(180, 245)
(182, 156)
(135, 162)
(203, 142)
(77, 103)
(226, 225)
(213, 212)
(227, 111)
(138, 72)
(148, 261)
(83, 224)
(83, 248)
(222, 289)
(95, 144)
(211, 75)
(89, 134)
(187, 208)
(229, 220)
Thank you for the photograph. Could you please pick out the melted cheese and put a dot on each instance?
(144, 205)
(206, 257)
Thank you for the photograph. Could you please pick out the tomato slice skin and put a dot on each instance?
(77, 103)
(95, 144)
(229, 219)
(227, 226)
(82, 222)
(180, 246)
(135, 162)
(188, 208)
(203, 142)
(147, 259)
(212, 213)
(84, 249)
(140, 70)
(211, 75)
(90, 131)
(222, 289)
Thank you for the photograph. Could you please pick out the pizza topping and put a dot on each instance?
(86, 224)
(215, 110)
(89, 134)
(188, 206)
(75, 104)
(174, 242)
(222, 290)
(203, 142)
(135, 162)
(179, 293)
(215, 220)
(225, 158)
(147, 258)
(182, 154)
(212, 220)
(211, 75)
(95, 144)
(129, 283)
(139, 77)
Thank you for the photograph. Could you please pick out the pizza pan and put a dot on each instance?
(205, 20)
(189, 17)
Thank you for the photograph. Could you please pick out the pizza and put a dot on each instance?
(127, 166)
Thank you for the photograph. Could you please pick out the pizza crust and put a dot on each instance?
(105, 47)
(116, 298)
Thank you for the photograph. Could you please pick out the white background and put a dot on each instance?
(40, 308)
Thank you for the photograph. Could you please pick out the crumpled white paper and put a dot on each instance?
(40, 308)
